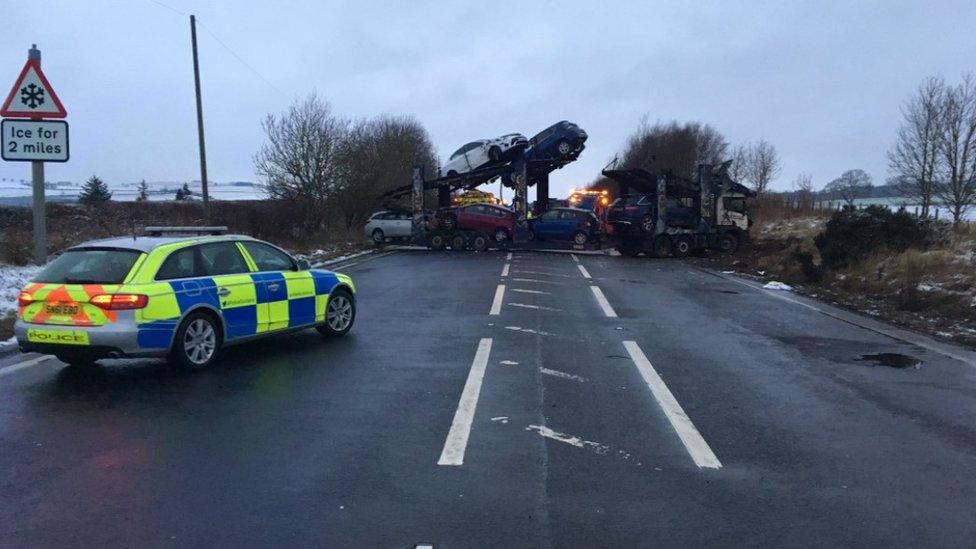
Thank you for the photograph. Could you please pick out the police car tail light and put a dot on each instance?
(114, 302)
(24, 299)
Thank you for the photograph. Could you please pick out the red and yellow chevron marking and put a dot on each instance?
(80, 294)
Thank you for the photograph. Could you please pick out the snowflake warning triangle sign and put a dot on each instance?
(32, 96)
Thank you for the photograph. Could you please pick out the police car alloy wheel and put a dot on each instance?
(340, 314)
(197, 341)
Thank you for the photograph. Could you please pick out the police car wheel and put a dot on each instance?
(340, 314)
(197, 342)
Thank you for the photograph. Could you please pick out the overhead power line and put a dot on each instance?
(223, 45)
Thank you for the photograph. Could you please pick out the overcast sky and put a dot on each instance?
(822, 81)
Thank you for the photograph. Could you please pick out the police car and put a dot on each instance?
(170, 294)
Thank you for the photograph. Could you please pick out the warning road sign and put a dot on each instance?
(30, 140)
(32, 96)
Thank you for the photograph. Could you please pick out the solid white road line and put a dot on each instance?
(457, 438)
(496, 304)
(25, 364)
(583, 271)
(505, 270)
(537, 292)
(576, 259)
(696, 446)
(508, 257)
(602, 301)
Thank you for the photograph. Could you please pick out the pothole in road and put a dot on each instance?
(892, 360)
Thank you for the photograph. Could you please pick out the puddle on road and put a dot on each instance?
(892, 360)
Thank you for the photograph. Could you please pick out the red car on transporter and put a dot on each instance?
(495, 221)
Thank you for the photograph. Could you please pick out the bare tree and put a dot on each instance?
(679, 148)
(957, 147)
(850, 186)
(762, 165)
(740, 163)
(803, 188)
(914, 159)
(300, 159)
(378, 155)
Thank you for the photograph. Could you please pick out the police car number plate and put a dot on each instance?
(62, 309)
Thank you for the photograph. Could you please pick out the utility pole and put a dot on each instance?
(203, 147)
(37, 184)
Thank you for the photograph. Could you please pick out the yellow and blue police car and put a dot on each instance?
(170, 294)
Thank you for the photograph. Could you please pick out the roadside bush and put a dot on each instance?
(16, 247)
(811, 271)
(851, 234)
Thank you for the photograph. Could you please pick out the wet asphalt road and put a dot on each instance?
(302, 441)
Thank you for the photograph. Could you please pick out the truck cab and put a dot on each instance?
(670, 214)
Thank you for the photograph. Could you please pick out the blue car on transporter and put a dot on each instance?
(575, 224)
(561, 141)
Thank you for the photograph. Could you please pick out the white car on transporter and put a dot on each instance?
(477, 154)
(389, 225)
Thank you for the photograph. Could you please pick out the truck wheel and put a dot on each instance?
(378, 237)
(647, 224)
(480, 242)
(728, 243)
(437, 242)
(458, 242)
(682, 246)
(628, 250)
(197, 341)
(662, 246)
(501, 235)
(580, 238)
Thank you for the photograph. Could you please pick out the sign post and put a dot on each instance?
(34, 140)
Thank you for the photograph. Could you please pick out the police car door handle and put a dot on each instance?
(223, 292)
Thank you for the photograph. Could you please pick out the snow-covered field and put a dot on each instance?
(17, 191)
(12, 280)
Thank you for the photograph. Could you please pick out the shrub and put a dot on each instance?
(851, 234)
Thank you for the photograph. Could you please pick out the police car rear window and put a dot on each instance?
(89, 266)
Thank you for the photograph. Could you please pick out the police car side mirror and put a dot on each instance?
(304, 265)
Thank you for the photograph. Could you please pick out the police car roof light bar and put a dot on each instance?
(199, 231)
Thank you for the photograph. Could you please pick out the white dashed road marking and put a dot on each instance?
(602, 301)
(496, 304)
(505, 270)
(457, 438)
(528, 306)
(508, 257)
(696, 446)
(25, 364)
(537, 292)
(583, 271)
(563, 375)
(576, 259)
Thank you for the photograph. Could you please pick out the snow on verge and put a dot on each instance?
(12, 280)
(776, 285)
